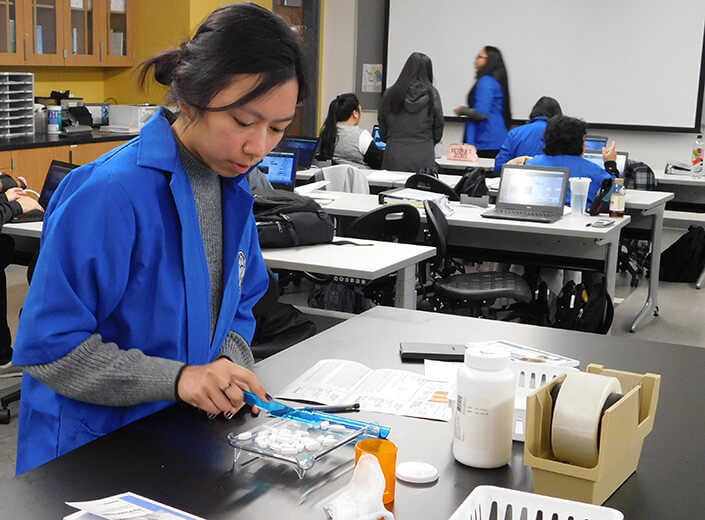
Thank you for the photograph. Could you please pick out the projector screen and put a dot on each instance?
(625, 63)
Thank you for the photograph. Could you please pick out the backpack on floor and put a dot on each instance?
(583, 308)
(685, 259)
(286, 219)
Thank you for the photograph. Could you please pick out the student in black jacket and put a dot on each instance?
(411, 117)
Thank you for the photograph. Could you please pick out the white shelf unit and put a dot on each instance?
(16, 104)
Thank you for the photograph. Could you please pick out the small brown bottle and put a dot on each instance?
(618, 199)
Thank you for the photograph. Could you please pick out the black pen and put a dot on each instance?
(334, 409)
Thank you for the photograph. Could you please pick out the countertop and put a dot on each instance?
(47, 140)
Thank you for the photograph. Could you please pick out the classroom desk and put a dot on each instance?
(482, 162)
(182, 459)
(376, 178)
(569, 237)
(685, 187)
(367, 262)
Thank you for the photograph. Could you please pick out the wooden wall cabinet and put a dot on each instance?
(85, 153)
(89, 33)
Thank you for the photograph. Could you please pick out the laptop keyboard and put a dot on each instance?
(524, 213)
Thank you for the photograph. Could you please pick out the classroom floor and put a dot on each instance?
(679, 322)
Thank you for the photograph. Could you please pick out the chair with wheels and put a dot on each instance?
(454, 293)
(424, 182)
(392, 223)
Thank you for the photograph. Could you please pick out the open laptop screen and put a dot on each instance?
(303, 147)
(280, 168)
(594, 143)
(532, 186)
(57, 171)
(378, 138)
(596, 157)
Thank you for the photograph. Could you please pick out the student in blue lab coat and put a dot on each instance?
(150, 261)
(488, 104)
(564, 140)
(527, 140)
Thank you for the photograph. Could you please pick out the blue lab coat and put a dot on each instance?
(524, 140)
(487, 99)
(122, 256)
(579, 167)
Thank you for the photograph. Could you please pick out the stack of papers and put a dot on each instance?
(126, 506)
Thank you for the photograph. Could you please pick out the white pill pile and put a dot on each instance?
(281, 439)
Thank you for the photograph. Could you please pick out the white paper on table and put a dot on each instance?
(386, 390)
(446, 371)
(129, 506)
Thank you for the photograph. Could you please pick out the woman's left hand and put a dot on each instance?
(458, 110)
(14, 193)
(610, 154)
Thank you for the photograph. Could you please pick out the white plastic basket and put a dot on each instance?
(529, 377)
(479, 504)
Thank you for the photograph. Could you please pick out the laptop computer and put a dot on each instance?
(533, 193)
(280, 169)
(378, 138)
(596, 157)
(57, 171)
(303, 147)
(594, 143)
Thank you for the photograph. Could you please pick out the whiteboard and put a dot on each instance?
(609, 62)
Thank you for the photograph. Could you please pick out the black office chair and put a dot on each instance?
(393, 223)
(423, 182)
(453, 292)
(279, 325)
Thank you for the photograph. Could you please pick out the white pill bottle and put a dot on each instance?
(484, 411)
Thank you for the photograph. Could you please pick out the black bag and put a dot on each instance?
(286, 219)
(601, 202)
(583, 308)
(472, 183)
(685, 259)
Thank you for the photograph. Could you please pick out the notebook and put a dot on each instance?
(303, 147)
(57, 171)
(596, 157)
(378, 138)
(533, 193)
(594, 143)
(280, 169)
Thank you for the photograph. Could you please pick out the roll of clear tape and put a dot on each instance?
(577, 415)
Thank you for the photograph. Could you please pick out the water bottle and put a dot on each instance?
(618, 199)
(697, 169)
(484, 413)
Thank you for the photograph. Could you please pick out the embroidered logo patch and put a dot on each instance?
(241, 266)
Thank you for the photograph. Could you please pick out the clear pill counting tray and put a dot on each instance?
(297, 444)
(516, 505)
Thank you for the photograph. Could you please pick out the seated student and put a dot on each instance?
(564, 146)
(13, 202)
(528, 139)
(342, 139)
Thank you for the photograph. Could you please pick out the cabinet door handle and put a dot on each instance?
(25, 47)
(12, 163)
(101, 51)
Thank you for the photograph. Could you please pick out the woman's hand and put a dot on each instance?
(22, 182)
(458, 110)
(14, 193)
(28, 204)
(521, 160)
(217, 387)
(610, 154)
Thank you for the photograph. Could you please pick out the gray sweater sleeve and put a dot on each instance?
(236, 349)
(472, 114)
(102, 373)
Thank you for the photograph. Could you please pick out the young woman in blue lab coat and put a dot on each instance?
(527, 140)
(488, 104)
(564, 140)
(150, 262)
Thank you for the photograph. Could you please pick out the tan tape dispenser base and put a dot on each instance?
(623, 428)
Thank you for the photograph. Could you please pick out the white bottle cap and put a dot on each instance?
(417, 472)
(487, 357)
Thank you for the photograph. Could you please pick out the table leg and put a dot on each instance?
(611, 265)
(651, 303)
(406, 287)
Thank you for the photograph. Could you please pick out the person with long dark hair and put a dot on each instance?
(488, 104)
(527, 140)
(411, 117)
(150, 262)
(342, 140)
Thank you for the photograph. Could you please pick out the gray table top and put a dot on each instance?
(180, 458)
